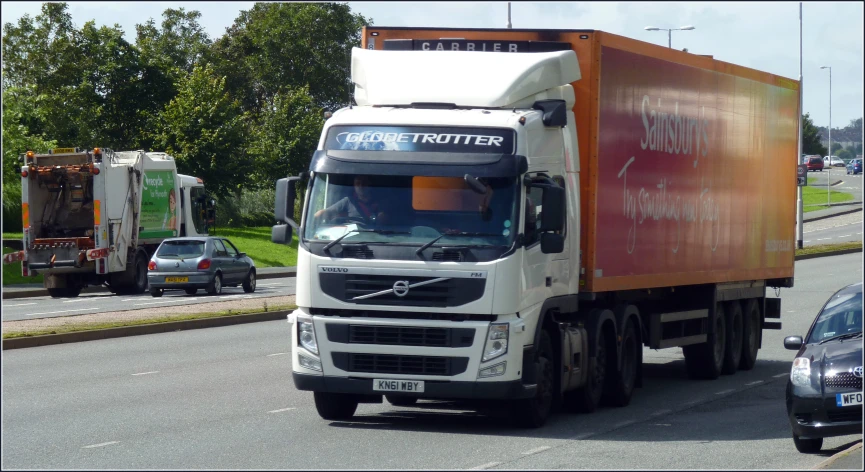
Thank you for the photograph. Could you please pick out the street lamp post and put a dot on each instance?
(800, 225)
(669, 32)
(828, 199)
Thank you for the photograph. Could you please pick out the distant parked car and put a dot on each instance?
(824, 391)
(854, 166)
(815, 163)
(193, 263)
(833, 161)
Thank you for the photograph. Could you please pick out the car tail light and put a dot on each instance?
(204, 264)
(151, 265)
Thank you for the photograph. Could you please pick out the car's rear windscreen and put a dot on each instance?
(187, 249)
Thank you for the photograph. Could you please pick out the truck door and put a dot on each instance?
(537, 269)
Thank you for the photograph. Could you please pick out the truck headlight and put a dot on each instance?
(800, 375)
(497, 341)
(306, 336)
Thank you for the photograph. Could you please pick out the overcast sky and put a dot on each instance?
(761, 35)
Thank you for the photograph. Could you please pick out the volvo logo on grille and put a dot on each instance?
(400, 289)
(857, 372)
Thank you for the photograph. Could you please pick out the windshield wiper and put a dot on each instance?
(421, 249)
(377, 231)
(842, 336)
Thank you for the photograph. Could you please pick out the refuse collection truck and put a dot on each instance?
(511, 216)
(93, 217)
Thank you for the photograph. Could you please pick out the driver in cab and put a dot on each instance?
(359, 206)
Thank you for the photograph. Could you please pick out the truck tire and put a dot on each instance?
(622, 383)
(133, 280)
(399, 400)
(733, 349)
(705, 360)
(335, 406)
(587, 398)
(215, 285)
(533, 412)
(750, 335)
(65, 292)
(139, 282)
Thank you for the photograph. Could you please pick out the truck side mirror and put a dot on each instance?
(553, 214)
(280, 234)
(284, 204)
(552, 243)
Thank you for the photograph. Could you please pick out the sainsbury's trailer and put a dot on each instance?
(514, 214)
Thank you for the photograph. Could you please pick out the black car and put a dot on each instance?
(824, 392)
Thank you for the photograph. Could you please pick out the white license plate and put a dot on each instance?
(390, 385)
(848, 399)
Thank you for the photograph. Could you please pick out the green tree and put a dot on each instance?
(286, 135)
(811, 137)
(204, 129)
(845, 155)
(835, 147)
(290, 45)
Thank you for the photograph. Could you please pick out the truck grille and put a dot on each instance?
(400, 335)
(844, 380)
(444, 293)
(403, 365)
(846, 414)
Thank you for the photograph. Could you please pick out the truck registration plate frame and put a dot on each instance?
(391, 385)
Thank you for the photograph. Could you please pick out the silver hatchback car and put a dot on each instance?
(193, 263)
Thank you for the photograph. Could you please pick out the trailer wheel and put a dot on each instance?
(335, 406)
(733, 349)
(750, 335)
(400, 400)
(587, 398)
(705, 360)
(623, 382)
(533, 412)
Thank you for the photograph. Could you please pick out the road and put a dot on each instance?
(837, 229)
(46, 307)
(223, 398)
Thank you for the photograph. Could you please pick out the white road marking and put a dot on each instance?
(147, 373)
(156, 303)
(486, 466)
(61, 311)
(77, 300)
(277, 354)
(754, 383)
(692, 403)
(791, 311)
(580, 437)
(660, 412)
(535, 450)
(280, 411)
(845, 236)
(20, 304)
(623, 424)
(723, 392)
(663, 424)
(131, 299)
(100, 444)
(780, 375)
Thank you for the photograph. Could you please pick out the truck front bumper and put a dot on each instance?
(513, 389)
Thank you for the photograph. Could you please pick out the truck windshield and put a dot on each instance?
(414, 210)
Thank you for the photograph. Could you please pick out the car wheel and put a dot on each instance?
(215, 286)
(807, 446)
(191, 291)
(156, 292)
(249, 282)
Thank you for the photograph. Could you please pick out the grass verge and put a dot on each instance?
(255, 242)
(72, 328)
(820, 249)
(817, 197)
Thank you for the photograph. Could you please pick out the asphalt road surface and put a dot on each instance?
(46, 307)
(850, 183)
(837, 229)
(223, 398)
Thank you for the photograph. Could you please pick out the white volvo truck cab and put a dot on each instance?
(435, 233)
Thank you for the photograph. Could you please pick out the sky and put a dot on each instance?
(760, 35)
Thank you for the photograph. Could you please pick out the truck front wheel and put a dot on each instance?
(533, 412)
(335, 406)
